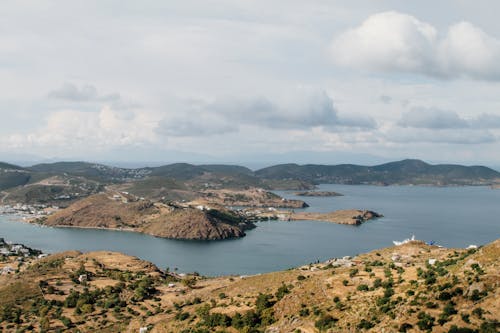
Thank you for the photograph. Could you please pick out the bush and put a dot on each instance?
(478, 312)
(377, 283)
(431, 305)
(325, 322)
(405, 327)
(365, 324)
(455, 329)
(426, 321)
(182, 316)
(304, 312)
(363, 287)
(444, 296)
(282, 291)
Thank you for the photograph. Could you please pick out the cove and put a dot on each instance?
(451, 216)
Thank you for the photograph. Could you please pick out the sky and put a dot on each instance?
(250, 81)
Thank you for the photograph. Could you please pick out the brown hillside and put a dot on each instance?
(410, 288)
(125, 212)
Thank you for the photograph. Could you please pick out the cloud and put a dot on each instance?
(385, 99)
(431, 118)
(437, 119)
(72, 129)
(193, 126)
(85, 93)
(445, 136)
(300, 110)
(486, 120)
(397, 42)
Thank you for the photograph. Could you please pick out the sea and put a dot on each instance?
(448, 216)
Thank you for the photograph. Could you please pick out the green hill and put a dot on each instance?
(401, 172)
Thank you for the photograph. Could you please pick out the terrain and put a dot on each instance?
(405, 172)
(318, 194)
(62, 183)
(348, 216)
(123, 211)
(409, 288)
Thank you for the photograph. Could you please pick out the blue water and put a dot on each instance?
(451, 216)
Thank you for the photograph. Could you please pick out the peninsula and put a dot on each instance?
(123, 211)
(348, 216)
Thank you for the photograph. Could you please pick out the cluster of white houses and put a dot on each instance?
(19, 250)
(35, 210)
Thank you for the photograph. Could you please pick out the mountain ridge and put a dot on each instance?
(289, 176)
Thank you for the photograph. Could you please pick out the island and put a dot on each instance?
(414, 287)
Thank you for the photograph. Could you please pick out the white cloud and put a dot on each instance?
(396, 42)
(72, 130)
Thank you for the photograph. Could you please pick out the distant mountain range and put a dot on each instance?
(80, 179)
(402, 172)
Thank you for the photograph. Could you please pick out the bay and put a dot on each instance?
(450, 216)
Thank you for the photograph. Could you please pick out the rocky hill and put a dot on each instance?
(121, 211)
(408, 288)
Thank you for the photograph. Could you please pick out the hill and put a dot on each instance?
(114, 210)
(92, 171)
(12, 175)
(408, 288)
(402, 172)
(182, 181)
(54, 190)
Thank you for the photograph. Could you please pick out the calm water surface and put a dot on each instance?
(454, 217)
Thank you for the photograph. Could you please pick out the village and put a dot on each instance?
(27, 211)
(13, 256)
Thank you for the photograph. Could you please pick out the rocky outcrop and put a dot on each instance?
(351, 216)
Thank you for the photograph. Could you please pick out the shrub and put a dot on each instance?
(455, 329)
(325, 322)
(478, 312)
(425, 322)
(304, 312)
(282, 291)
(363, 287)
(377, 283)
(431, 305)
(444, 296)
(405, 327)
(365, 324)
